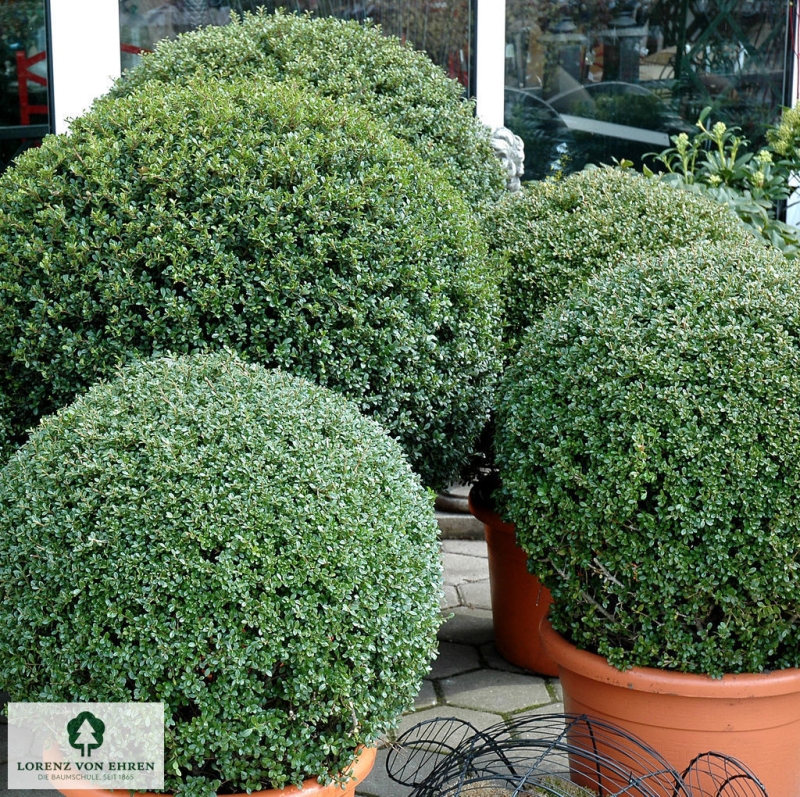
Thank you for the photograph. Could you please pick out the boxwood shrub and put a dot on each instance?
(276, 222)
(237, 543)
(349, 62)
(554, 234)
(649, 442)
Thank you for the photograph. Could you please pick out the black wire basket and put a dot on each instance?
(553, 755)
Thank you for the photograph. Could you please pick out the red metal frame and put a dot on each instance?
(23, 76)
(26, 110)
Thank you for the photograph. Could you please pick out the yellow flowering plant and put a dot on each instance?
(716, 161)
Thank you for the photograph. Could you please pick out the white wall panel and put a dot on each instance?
(85, 52)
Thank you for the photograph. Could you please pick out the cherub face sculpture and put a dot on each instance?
(511, 151)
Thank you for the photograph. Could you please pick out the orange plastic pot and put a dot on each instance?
(519, 600)
(361, 767)
(753, 717)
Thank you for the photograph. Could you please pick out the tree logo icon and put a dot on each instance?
(86, 732)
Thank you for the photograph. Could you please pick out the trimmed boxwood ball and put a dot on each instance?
(349, 62)
(273, 221)
(237, 543)
(649, 442)
(553, 235)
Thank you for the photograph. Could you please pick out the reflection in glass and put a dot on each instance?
(441, 28)
(24, 116)
(594, 80)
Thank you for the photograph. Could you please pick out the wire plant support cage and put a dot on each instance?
(553, 755)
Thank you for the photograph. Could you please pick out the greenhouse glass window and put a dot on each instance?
(590, 81)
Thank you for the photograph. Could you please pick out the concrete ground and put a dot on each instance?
(469, 680)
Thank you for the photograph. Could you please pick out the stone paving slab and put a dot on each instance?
(555, 685)
(475, 596)
(550, 708)
(451, 598)
(495, 661)
(427, 696)
(458, 526)
(460, 568)
(469, 679)
(466, 547)
(495, 691)
(378, 783)
(405, 767)
(478, 719)
(453, 659)
(468, 626)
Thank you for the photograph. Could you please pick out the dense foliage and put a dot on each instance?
(649, 442)
(553, 235)
(349, 62)
(273, 221)
(237, 543)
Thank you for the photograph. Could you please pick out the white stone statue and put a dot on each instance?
(511, 151)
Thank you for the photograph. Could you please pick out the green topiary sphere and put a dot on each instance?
(555, 234)
(347, 61)
(649, 442)
(294, 230)
(239, 544)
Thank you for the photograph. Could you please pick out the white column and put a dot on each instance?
(85, 53)
(490, 61)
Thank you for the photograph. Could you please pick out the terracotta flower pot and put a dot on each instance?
(519, 599)
(311, 788)
(753, 717)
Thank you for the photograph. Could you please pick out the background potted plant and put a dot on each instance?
(552, 237)
(238, 544)
(647, 437)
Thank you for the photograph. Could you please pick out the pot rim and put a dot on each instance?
(651, 679)
(360, 767)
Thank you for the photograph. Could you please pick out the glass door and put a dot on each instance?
(24, 79)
